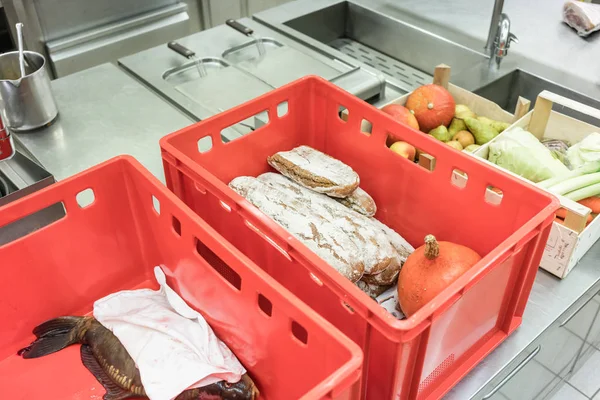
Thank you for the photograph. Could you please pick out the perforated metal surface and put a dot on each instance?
(411, 77)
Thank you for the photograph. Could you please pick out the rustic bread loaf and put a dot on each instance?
(389, 275)
(374, 247)
(360, 201)
(316, 170)
(403, 248)
(313, 226)
(372, 290)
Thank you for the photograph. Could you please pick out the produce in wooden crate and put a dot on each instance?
(520, 152)
(455, 144)
(432, 105)
(559, 149)
(441, 110)
(465, 126)
(401, 114)
(562, 214)
(471, 148)
(585, 151)
(465, 138)
(457, 125)
(482, 132)
(461, 111)
(592, 202)
(429, 270)
(572, 171)
(405, 149)
(498, 126)
(441, 133)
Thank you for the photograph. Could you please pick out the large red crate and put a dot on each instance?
(418, 358)
(114, 244)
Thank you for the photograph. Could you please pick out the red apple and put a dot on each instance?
(404, 149)
(401, 114)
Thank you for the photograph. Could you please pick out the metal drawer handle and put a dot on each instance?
(566, 321)
(513, 372)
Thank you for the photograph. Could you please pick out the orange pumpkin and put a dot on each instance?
(429, 270)
(432, 106)
(401, 114)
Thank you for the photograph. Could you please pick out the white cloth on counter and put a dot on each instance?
(172, 345)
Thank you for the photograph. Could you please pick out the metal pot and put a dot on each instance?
(26, 102)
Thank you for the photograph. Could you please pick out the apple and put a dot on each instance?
(401, 114)
(404, 149)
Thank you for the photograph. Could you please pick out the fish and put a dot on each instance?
(107, 359)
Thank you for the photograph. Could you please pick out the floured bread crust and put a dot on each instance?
(316, 170)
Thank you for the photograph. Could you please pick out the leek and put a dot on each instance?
(587, 168)
(575, 183)
(584, 193)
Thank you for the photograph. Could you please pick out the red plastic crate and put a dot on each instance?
(418, 358)
(114, 244)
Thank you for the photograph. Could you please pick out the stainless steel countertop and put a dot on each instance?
(103, 113)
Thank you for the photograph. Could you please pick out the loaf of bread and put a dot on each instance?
(316, 171)
(360, 201)
(403, 248)
(372, 290)
(314, 227)
(387, 277)
(376, 251)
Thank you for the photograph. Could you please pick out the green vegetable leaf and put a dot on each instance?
(522, 153)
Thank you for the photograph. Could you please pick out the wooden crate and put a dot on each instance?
(479, 105)
(569, 242)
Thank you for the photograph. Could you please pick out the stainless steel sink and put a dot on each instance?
(404, 53)
(506, 90)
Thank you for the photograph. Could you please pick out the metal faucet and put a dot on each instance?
(498, 5)
(501, 41)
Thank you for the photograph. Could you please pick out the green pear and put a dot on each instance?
(482, 132)
(456, 126)
(462, 111)
(471, 148)
(500, 126)
(441, 133)
(455, 144)
(497, 125)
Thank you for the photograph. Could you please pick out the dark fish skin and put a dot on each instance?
(112, 365)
